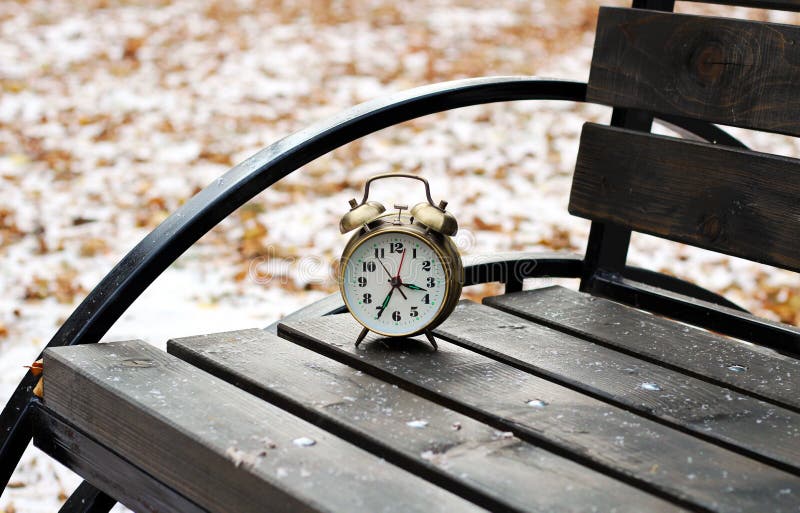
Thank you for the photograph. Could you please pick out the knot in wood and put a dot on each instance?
(708, 62)
(711, 227)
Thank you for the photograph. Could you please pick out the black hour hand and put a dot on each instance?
(413, 287)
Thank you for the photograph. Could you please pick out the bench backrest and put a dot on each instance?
(732, 72)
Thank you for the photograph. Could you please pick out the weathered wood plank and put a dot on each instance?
(720, 415)
(728, 71)
(699, 312)
(785, 5)
(454, 451)
(212, 442)
(105, 469)
(742, 367)
(734, 201)
(626, 446)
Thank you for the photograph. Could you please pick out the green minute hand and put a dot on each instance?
(385, 303)
(413, 287)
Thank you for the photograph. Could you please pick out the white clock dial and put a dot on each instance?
(394, 283)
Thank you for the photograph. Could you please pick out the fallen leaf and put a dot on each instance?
(480, 224)
(38, 390)
(36, 367)
(93, 246)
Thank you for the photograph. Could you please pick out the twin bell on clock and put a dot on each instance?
(401, 274)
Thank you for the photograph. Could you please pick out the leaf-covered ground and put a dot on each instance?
(114, 113)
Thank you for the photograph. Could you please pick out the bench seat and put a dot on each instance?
(523, 408)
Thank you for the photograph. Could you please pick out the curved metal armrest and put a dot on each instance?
(115, 293)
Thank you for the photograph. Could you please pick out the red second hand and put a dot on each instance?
(402, 257)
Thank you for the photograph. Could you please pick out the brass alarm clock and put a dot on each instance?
(400, 274)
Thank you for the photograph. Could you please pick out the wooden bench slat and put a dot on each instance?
(784, 5)
(737, 421)
(746, 368)
(699, 312)
(652, 456)
(734, 201)
(454, 451)
(106, 470)
(211, 441)
(734, 72)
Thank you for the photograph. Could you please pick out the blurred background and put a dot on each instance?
(114, 113)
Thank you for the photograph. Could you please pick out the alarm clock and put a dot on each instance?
(400, 273)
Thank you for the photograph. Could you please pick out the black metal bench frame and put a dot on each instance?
(602, 270)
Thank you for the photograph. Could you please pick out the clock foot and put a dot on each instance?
(432, 340)
(361, 336)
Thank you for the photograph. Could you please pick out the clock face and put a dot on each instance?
(394, 283)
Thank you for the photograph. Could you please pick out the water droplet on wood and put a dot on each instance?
(304, 441)
(651, 386)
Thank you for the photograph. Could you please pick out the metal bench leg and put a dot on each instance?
(87, 499)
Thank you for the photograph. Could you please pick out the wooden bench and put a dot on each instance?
(639, 392)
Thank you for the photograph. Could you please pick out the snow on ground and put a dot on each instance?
(112, 114)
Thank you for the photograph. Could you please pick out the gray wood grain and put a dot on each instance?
(786, 5)
(720, 415)
(729, 200)
(212, 442)
(105, 469)
(743, 367)
(650, 455)
(459, 453)
(734, 72)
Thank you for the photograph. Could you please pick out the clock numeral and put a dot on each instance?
(395, 247)
(426, 299)
(414, 253)
(367, 298)
(362, 281)
(431, 282)
(426, 265)
(395, 316)
(379, 253)
(414, 311)
(368, 266)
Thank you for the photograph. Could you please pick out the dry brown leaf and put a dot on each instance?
(480, 224)
(64, 287)
(9, 231)
(131, 49)
(38, 289)
(93, 246)
(36, 367)
(558, 240)
(217, 157)
(38, 390)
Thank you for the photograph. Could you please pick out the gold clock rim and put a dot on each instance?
(408, 230)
